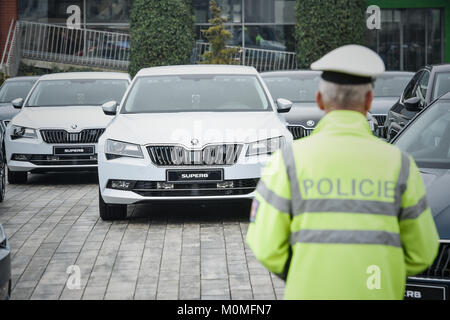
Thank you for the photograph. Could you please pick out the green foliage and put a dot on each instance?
(161, 32)
(217, 37)
(324, 25)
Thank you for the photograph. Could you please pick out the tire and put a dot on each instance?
(2, 181)
(17, 177)
(111, 212)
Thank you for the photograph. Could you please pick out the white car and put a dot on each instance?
(199, 132)
(60, 123)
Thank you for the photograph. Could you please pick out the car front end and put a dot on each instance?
(5, 266)
(195, 169)
(188, 133)
(60, 123)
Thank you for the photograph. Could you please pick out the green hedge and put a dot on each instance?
(323, 25)
(161, 32)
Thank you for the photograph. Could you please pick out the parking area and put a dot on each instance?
(168, 251)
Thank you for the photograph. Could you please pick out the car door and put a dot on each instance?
(399, 116)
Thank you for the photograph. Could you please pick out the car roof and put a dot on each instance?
(406, 73)
(24, 78)
(289, 73)
(439, 67)
(85, 75)
(197, 69)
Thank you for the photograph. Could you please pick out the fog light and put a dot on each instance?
(225, 185)
(121, 184)
(164, 185)
(20, 157)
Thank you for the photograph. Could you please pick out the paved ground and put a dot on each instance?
(162, 252)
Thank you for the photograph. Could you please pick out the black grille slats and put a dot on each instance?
(213, 155)
(440, 268)
(299, 131)
(62, 136)
(381, 119)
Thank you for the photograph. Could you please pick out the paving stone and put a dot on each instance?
(162, 252)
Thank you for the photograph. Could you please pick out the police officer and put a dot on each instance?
(342, 214)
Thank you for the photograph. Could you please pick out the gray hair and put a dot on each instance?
(343, 96)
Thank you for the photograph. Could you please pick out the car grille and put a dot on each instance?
(440, 269)
(239, 187)
(381, 119)
(62, 136)
(224, 154)
(299, 131)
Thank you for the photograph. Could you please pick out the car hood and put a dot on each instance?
(207, 127)
(303, 113)
(436, 183)
(63, 117)
(382, 105)
(7, 111)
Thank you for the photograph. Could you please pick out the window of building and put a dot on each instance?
(409, 38)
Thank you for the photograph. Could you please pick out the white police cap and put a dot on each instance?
(350, 64)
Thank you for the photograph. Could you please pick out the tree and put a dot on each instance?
(217, 37)
(161, 33)
(324, 25)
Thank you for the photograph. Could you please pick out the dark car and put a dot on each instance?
(5, 266)
(427, 139)
(427, 85)
(13, 88)
(387, 89)
(300, 87)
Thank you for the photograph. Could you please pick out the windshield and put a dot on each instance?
(11, 90)
(297, 88)
(196, 93)
(85, 92)
(441, 84)
(428, 137)
(390, 85)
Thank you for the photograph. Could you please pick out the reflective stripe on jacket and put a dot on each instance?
(342, 214)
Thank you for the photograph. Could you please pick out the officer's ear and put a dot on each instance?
(368, 100)
(320, 101)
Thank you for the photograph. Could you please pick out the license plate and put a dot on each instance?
(73, 150)
(194, 175)
(424, 292)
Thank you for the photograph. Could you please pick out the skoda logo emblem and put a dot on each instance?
(310, 123)
(74, 126)
(194, 142)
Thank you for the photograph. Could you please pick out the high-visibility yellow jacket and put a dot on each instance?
(342, 214)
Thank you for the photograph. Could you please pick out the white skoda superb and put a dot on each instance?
(188, 133)
(60, 123)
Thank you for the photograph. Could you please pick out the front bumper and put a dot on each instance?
(244, 175)
(40, 156)
(5, 265)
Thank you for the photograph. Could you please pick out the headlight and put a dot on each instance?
(123, 149)
(268, 146)
(22, 132)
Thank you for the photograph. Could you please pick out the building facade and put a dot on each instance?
(413, 32)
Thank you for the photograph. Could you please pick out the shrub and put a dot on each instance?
(161, 33)
(217, 37)
(324, 25)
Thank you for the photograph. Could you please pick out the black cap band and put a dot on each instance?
(344, 78)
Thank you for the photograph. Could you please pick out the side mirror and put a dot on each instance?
(17, 103)
(412, 104)
(283, 105)
(110, 108)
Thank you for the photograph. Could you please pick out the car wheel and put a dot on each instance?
(110, 212)
(17, 177)
(2, 182)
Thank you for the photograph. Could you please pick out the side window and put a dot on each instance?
(421, 89)
(409, 90)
